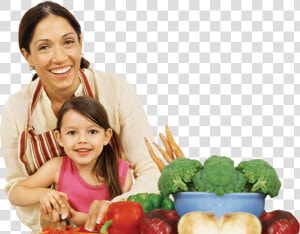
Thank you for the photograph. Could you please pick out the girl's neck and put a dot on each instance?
(88, 174)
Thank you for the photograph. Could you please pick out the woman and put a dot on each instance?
(50, 40)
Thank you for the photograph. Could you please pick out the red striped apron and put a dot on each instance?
(43, 146)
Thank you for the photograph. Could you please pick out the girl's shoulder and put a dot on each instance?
(55, 163)
(122, 162)
(123, 166)
(54, 166)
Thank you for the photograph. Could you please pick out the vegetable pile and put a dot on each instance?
(151, 213)
(219, 175)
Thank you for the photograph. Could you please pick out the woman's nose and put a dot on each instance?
(59, 55)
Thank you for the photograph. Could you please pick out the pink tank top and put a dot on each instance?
(80, 193)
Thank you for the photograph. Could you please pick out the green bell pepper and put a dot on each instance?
(152, 201)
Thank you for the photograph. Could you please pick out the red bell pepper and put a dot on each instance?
(69, 230)
(123, 217)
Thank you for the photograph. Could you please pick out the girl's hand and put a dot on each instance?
(77, 218)
(53, 200)
(96, 213)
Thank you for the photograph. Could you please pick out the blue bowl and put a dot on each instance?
(186, 202)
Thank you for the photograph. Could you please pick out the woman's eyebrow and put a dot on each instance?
(65, 35)
(41, 40)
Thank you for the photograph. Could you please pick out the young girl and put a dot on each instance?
(92, 169)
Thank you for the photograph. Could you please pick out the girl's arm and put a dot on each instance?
(34, 189)
(128, 182)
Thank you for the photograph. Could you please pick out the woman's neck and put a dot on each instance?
(58, 100)
(58, 97)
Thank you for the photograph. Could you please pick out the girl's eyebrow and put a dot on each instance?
(65, 35)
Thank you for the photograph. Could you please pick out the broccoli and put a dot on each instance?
(261, 177)
(219, 176)
(177, 176)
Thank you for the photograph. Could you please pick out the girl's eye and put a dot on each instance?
(93, 131)
(71, 133)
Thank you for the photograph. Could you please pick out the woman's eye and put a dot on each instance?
(93, 131)
(68, 42)
(44, 47)
(71, 133)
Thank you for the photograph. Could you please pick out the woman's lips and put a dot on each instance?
(61, 72)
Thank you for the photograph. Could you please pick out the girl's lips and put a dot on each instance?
(83, 152)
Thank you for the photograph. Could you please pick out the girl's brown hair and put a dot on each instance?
(34, 15)
(106, 164)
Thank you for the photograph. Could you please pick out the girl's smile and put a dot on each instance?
(82, 139)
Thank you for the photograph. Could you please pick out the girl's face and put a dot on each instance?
(55, 54)
(82, 139)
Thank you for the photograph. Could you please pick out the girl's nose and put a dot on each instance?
(82, 138)
(59, 55)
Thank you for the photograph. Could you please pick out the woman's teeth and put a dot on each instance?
(61, 71)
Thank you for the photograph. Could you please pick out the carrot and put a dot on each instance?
(164, 153)
(156, 159)
(174, 146)
(167, 145)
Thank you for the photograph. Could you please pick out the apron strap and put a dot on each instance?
(44, 138)
(86, 87)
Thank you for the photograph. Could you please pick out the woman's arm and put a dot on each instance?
(134, 127)
(34, 189)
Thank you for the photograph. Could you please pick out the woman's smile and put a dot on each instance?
(56, 55)
(61, 72)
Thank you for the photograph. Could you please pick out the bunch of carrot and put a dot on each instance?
(171, 148)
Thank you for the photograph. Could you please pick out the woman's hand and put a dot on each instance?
(96, 213)
(51, 199)
(54, 203)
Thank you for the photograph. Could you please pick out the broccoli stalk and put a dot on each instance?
(177, 176)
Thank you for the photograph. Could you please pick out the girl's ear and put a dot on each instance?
(58, 138)
(108, 135)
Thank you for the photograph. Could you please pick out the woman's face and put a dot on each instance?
(55, 54)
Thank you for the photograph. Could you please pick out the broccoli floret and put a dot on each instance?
(261, 177)
(177, 176)
(219, 176)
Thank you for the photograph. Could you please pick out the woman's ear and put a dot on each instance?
(108, 135)
(80, 42)
(27, 56)
(58, 138)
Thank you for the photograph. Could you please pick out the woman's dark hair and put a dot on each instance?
(34, 15)
(106, 164)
